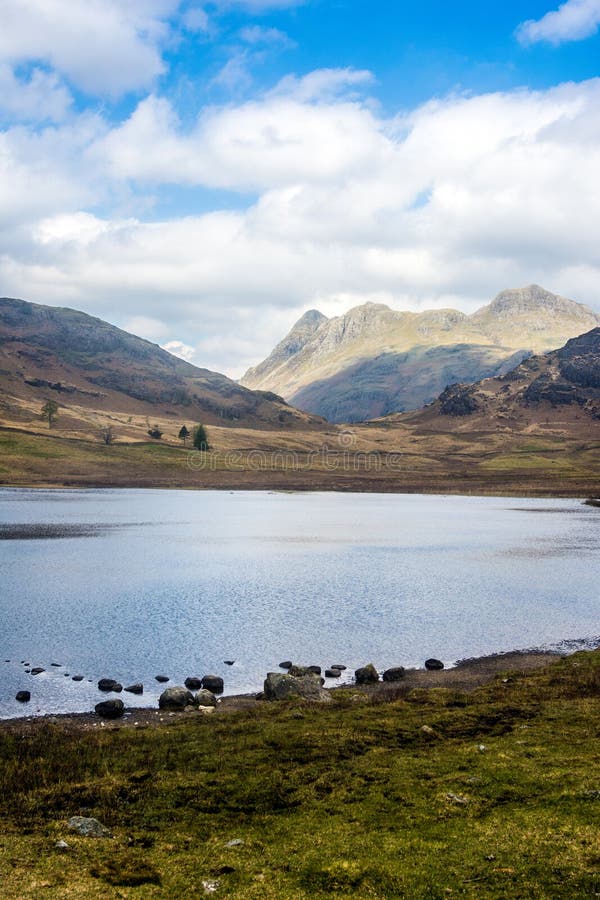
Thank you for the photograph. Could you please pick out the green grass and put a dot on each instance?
(350, 800)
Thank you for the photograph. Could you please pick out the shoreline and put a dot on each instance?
(587, 497)
(466, 675)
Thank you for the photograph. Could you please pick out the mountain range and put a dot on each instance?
(374, 361)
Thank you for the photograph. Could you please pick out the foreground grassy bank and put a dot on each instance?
(425, 794)
(376, 461)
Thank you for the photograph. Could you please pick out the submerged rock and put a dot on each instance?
(332, 673)
(286, 664)
(108, 684)
(110, 709)
(366, 674)
(176, 698)
(285, 687)
(23, 696)
(137, 688)
(162, 679)
(77, 678)
(37, 671)
(193, 683)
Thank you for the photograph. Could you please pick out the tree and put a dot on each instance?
(107, 434)
(50, 411)
(155, 432)
(184, 434)
(200, 440)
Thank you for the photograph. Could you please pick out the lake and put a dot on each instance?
(129, 584)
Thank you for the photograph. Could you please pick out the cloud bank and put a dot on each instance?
(442, 205)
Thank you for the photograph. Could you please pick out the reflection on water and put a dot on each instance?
(144, 582)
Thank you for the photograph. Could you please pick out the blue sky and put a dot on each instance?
(203, 173)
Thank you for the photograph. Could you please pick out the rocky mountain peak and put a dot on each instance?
(532, 299)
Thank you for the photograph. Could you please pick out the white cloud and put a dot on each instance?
(178, 348)
(102, 46)
(256, 34)
(39, 98)
(444, 205)
(572, 21)
(284, 139)
(258, 6)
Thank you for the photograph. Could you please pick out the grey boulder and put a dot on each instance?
(434, 665)
(396, 673)
(205, 698)
(89, 827)
(176, 698)
(213, 683)
(287, 687)
(366, 674)
(110, 709)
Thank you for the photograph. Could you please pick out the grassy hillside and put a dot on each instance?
(433, 794)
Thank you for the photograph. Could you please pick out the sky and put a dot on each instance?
(203, 173)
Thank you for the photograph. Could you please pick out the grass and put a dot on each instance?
(498, 797)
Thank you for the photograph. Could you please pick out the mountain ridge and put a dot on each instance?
(374, 360)
(59, 352)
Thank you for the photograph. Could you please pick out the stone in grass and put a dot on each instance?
(109, 684)
(62, 846)
(396, 673)
(193, 683)
(110, 709)
(205, 698)
(366, 674)
(176, 698)
(213, 683)
(87, 827)
(434, 665)
(137, 688)
(23, 696)
(162, 679)
(287, 687)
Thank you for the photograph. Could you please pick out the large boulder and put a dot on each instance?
(366, 674)
(205, 698)
(286, 687)
(213, 683)
(176, 698)
(396, 673)
(110, 709)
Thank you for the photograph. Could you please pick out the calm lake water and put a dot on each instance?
(129, 584)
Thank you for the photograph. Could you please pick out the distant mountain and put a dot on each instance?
(374, 361)
(559, 391)
(78, 360)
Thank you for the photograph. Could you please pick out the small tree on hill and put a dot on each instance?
(184, 434)
(107, 434)
(50, 411)
(200, 440)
